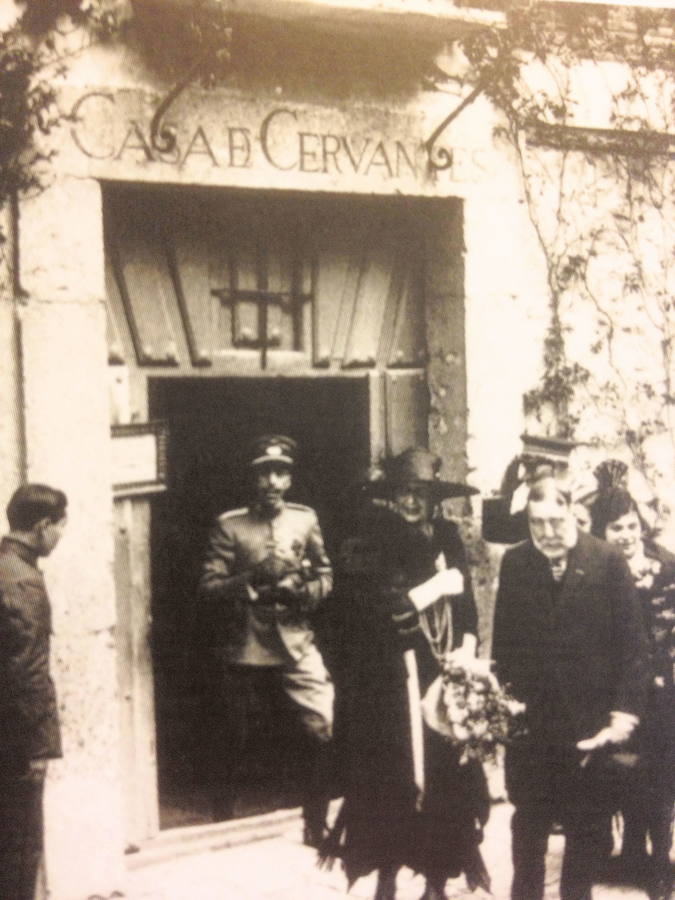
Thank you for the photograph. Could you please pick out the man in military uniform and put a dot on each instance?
(265, 571)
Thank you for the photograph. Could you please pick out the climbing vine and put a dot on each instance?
(600, 201)
(34, 51)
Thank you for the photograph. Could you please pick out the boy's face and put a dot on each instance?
(49, 534)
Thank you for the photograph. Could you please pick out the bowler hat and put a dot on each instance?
(273, 448)
(416, 465)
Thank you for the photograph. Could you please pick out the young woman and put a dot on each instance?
(647, 807)
(407, 800)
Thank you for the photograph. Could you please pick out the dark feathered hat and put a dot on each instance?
(613, 499)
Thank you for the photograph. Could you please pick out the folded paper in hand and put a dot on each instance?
(447, 583)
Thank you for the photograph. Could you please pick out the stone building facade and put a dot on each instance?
(286, 259)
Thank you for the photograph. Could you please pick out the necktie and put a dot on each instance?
(558, 567)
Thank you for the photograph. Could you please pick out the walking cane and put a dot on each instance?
(416, 729)
(445, 582)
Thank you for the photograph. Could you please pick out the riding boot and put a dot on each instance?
(314, 811)
(317, 796)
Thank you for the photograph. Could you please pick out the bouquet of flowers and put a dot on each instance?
(467, 705)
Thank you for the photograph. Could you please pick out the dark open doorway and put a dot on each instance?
(211, 425)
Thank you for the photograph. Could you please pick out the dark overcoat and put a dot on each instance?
(380, 819)
(572, 653)
(657, 733)
(29, 723)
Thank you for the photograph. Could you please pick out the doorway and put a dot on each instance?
(212, 422)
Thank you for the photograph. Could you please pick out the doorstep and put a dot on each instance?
(192, 839)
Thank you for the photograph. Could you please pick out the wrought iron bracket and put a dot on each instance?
(163, 137)
(439, 158)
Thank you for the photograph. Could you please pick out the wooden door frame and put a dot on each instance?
(445, 376)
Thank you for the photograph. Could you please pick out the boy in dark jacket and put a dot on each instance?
(29, 725)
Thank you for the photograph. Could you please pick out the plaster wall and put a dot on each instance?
(222, 141)
(66, 421)
(11, 406)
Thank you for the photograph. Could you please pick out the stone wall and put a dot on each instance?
(66, 425)
(343, 137)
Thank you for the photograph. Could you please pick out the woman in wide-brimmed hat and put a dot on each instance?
(407, 799)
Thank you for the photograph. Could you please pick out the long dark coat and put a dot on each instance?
(573, 656)
(29, 724)
(657, 731)
(379, 820)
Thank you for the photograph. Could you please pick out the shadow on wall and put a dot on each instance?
(286, 57)
(484, 560)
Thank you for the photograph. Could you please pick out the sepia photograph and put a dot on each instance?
(337, 449)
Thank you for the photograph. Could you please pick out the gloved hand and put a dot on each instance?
(446, 583)
(269, 571)
(404, 616)
(620, 728)
(464, 657)
(290, 591)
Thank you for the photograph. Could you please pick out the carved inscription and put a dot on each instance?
(280, 141)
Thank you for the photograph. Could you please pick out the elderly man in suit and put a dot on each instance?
(569, 640)
(265, 571)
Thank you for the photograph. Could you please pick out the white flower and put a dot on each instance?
(515, 707)
(475, 703)
(460, 732)
(480, 729)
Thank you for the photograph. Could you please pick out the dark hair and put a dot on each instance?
(32, 502)
(609, 506)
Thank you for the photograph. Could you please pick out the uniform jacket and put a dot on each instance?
(255, 633)
(575, 655)
(29, 724)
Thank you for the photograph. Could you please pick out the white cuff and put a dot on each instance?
(619, 717)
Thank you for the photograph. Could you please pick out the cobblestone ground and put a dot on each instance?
(282, 869)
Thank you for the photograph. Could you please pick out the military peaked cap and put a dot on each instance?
(273, 448)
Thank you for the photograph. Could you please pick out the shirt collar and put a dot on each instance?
(259, 510)
(23, 550)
